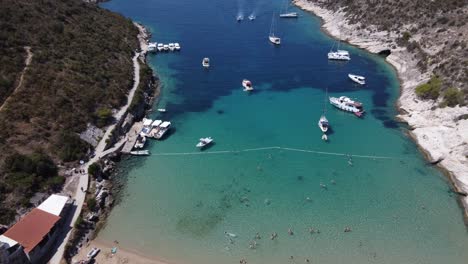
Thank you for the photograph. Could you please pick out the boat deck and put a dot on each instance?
(132, 137)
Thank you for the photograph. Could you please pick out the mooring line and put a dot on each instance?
(273, 148)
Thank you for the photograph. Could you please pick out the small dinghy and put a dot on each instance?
(162, 110)
(240, 18)
(357, 78)
(252, 17)
(206, 62)
(247, 85)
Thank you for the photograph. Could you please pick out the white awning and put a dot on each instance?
(54, 204)
(147, 122)
(156, 123)
(165, 124)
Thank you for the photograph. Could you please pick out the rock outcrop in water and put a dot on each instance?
(420, 39)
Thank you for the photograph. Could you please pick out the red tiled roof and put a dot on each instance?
(31, 229)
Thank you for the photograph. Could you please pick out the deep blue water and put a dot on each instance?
(178, 207)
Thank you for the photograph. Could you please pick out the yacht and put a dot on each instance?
(252, 17)
(289, 15)
(171, 46)
(204, 142)
(176, 46)
(206, 62)
(247, 85)
(163, 128)
(155, 128)
(273, 39)
(145, 131)
(358, 79)
(160, 47)
(339, 55)
(166, 47)
(240, 18)
(323, 124)
(346, 104)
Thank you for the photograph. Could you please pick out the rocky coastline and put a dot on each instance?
(441, 133)
(102, 188)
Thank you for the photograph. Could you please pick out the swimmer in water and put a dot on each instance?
(333, 182)
(311, 230)
(290, 232)
(308, 199)
(257, 236)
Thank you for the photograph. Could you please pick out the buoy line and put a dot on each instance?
(272, 148)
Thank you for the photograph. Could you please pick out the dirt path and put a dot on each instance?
(27, 61)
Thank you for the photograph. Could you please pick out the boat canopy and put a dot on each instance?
(147, 122)
(165, 124)
(156, 123)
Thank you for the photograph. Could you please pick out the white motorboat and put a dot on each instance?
(152, 46)
(289, 15)
(357, 78)
(160, 47)
(140, 143)
(206, 62)
(162, 110)
(240, 18)
(166, 47)
(163, 128)
(339, 55)
(171, 46)
(323, 124)
(252, 17)
(177, 46)
(140, 152)
(247, 85)
(204, 142)
(346, 104)
(273, 39)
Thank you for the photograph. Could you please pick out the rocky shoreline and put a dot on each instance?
(441, 133)
(102, 187)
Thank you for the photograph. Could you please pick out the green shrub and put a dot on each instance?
(91, 203)
(103, 116)
(71, 147)
(452, 97)
(429, 90)
(94, 169)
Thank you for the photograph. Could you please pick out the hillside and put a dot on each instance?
(434, 32)
(80, 69)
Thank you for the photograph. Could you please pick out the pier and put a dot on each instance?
(132, 137)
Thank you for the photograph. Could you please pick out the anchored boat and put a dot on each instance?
(323, 124)
(204, 142)
(346, 104)
(252, 17)
(247, 85)
(358, 79)
(140, 152)
(273, 39)
(206, 62)
(240, 18)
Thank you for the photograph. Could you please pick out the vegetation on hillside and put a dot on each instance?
(434, 31)
(80, 70)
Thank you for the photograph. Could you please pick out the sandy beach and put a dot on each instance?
(120, 257)
(437, 131)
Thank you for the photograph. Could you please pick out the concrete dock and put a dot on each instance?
(132, 137)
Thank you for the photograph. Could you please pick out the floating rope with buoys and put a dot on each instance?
(273, 148)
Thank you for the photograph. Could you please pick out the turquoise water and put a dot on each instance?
(177, 207)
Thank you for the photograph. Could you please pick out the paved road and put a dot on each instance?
(99, 152)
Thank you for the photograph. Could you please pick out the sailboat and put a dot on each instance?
(287, 14)
(273, 39)
(323, 121)
(338, 54)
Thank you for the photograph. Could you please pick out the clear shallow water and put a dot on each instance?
(178, 207)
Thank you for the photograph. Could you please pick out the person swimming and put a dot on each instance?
(290, 232)
(257, 236)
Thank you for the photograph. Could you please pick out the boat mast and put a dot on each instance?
(272, 32)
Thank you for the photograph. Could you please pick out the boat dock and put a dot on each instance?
(132, 137)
